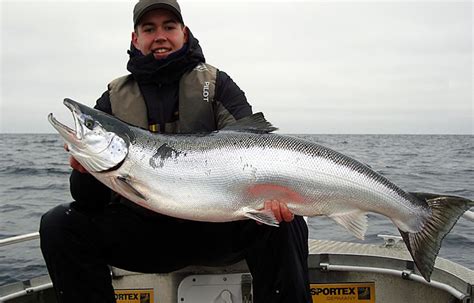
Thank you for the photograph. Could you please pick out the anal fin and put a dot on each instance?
(354, 221)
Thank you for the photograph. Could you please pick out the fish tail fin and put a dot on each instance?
(425, 244)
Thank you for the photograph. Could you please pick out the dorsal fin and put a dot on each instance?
(255, 123)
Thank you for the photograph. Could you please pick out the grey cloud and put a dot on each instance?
(311, 66)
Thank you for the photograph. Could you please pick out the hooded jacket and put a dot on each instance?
(158, 81)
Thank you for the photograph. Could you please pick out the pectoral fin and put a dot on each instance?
(124, 182)
(355, 222)
(264, 216)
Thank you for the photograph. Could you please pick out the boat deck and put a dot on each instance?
(388, 268)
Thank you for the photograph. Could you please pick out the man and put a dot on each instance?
(170, 89)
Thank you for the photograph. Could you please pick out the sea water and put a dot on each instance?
(34, 177)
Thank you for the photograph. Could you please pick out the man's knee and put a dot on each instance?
(54, 217)
(57, 223)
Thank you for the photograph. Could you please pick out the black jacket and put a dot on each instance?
(159, 83)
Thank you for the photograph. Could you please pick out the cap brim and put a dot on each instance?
(158, 6)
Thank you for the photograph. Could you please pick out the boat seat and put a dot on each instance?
(239, 267)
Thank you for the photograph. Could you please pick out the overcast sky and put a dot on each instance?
(310, 66)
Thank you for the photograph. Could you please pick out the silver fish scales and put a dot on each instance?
(228, 175)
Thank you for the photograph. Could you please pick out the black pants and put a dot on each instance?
(79, 244)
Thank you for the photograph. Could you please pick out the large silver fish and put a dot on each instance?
(228, 174)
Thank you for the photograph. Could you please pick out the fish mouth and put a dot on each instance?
(69, 134)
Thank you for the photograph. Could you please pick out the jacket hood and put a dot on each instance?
(147, 69)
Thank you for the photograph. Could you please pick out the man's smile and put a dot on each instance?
(161, 52)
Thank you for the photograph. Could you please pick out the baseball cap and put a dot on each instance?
(144, 6)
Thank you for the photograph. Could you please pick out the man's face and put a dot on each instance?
(160, 33)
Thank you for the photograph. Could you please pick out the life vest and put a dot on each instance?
(196, 102)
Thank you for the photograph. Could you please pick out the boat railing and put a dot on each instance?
(404, 274)
(19, 239)
(28, 289)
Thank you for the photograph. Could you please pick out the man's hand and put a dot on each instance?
(280, 210)
(75, 164)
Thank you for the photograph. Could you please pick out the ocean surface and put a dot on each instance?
(34, 177)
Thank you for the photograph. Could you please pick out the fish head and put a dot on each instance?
(99, 141)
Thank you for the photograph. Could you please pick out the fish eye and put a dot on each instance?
(89, 123)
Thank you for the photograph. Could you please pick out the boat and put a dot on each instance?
(339, 272)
